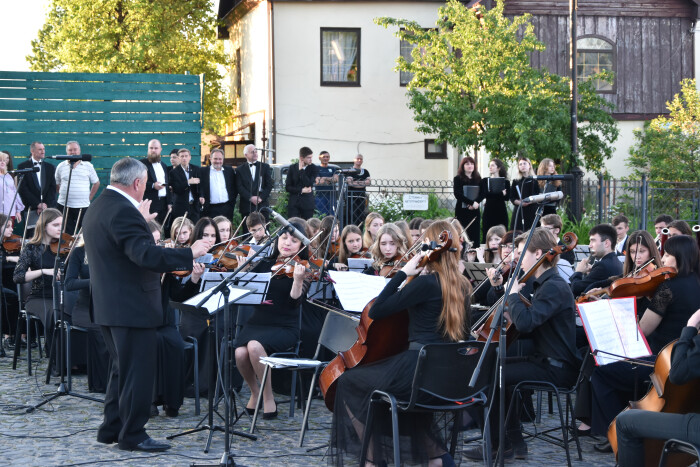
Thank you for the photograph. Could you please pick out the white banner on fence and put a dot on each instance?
(414, 202)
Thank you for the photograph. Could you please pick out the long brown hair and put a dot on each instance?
(454, 318)
(644, 239)
(46, 217)
(476, 176)
(343, 253)
(367, 239)
(396, 235)
(542, 170)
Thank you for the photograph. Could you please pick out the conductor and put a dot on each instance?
(126, 296)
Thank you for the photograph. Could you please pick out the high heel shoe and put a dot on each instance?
(270, 415)
(249, 411)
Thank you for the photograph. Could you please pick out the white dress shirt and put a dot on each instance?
(217, 186)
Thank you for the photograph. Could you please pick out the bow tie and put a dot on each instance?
(251, 165)
(36, 164)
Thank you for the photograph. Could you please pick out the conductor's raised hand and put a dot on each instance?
(411, 268)
(145, 210)
(200, 248)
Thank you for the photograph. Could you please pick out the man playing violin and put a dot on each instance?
(603, 238)
(550, 323)
(634, 426)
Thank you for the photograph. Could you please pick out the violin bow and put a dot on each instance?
(413, 249)
(229, 241)
(165, 220)
(80, 215)
(182, 224)
(291, 258)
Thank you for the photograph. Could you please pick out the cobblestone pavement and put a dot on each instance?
(63, 432)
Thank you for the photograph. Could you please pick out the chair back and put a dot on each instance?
(23, 291)
(338, 333)
(444, 370)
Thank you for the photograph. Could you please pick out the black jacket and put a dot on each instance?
(608, 266)
(298, 179)
(229, 179)
(151, 193)
(125, 264)
(247, 187)
(182, 189)
(30, 192)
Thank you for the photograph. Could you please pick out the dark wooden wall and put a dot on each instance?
(652, 56)
(635, 8)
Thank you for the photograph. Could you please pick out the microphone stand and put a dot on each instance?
(499, 321)
(59, 310)
(3, 302)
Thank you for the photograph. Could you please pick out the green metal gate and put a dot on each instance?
(111, 115)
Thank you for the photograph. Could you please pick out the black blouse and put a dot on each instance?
(36, 257)
(675, 301)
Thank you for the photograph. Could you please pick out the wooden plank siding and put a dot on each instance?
(636, 8)
(111, 115)
(652, 55)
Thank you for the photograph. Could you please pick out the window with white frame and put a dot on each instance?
(340, 56)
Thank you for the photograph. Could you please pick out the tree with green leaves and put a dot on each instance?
(473, 87)
(136, 36)
(668, 147)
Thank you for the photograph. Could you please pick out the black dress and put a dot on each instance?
(464, 215)
(495, 211)
(275, 325)
(521, 189)
(423, 299)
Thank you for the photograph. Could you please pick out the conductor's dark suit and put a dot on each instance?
(247, 187)
(179, 182)
(126, 295)
(301, 204)
(158, 204)
(31, 192)
(220, 209)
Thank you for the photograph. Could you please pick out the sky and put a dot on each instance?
(20, 22)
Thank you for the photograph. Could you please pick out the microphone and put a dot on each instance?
(567, 177)
(23, 171)
(290, 228)
(545, 197)
(84, 157)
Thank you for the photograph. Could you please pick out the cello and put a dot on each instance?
(377, 339)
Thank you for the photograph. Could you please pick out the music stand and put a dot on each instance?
(208, 305)
(358, 264)
(476, 272)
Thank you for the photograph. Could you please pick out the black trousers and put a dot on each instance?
(133, 352)
(221, 209)
(302, 206)
(72, 221)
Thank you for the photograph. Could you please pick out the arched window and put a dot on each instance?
(595, 54)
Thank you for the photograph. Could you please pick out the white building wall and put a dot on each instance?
(372, 119)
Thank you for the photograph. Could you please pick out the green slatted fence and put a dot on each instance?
(111, 115)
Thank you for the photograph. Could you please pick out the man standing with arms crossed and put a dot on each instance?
(125, 267)
(80, 193)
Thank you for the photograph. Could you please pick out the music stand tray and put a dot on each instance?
(476, 272)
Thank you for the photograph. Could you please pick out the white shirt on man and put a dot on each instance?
(83, 177)
(160, 178)
(217, 186)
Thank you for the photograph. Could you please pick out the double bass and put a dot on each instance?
(377, 339)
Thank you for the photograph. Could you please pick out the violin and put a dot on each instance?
(664, 396)
(224, 256)
(286, 268)
(643, 286)
(66, 242)
(377, 339)
(390, 267)
(363, 253)
(12, 244)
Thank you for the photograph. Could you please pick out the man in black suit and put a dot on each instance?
(217, 187)
(125, 267)
(38, 189)
(184, 181)
(602, 244)
(300, 185)
(254, 182)
(157, 190)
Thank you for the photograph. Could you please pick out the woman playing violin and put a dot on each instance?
(224, 226)
(438, 303)
(36, 264)
(272, 327)
(634, 426)
(389, 248)
(350, 246)
(9, 323)
(180, 232)
(672, 304)
(327, 237)
(373, 222)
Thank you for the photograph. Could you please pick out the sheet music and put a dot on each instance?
(257, 282)
(356, 290)
(359, 264)
(216, 301)
(277, 362)
(611, 326)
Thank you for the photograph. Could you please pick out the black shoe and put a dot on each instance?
(107, 439)
(249, 411)
(10, 343)
(582, 433)
(520, 450)
(603, 447)
(154, 410)
(171, 411)
(477, 453)
(270, 415)
(148, 445)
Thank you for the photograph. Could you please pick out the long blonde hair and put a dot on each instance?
(46, 217)
(454, 318)
(175, 228)
(367, 239)
(398, 238)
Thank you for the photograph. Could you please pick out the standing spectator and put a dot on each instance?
(254, 182)
(622, 226)
(357, 197)
(8, 190)
(325, 185)
(184, 180)
(495, 191)
(217, 192)
(83, 187)
(300, 185)
(174, 160)
(467, 209)
(38, 191)
(157, 184)
(524, 213)
(548, 167)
